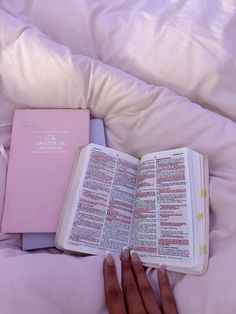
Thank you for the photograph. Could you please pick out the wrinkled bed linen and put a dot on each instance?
(185, 45)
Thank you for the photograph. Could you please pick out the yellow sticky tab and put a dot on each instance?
(199, 216)
(202, 249)
(202, 193)
(138, 156)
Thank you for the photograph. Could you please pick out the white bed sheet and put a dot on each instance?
(188, 46)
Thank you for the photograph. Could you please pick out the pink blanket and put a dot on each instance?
(114, 60)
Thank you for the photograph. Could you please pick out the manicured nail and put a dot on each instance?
(162, 269)
(109, 258)
(135, 258)
(125, 253)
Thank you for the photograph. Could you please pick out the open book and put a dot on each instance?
(157, 206)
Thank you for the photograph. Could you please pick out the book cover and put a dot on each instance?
(32, 241)
(44, 144)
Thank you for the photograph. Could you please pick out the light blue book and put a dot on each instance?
(32, 241)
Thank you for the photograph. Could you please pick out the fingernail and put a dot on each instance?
(135, 258)
(109, 258)
(162, 269)
(125, 253)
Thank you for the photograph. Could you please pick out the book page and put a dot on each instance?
(105, 201)
(143, 237)
(162, 224)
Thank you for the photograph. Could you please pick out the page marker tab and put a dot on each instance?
(3, 153)
(138, 156)
(200, 216)
(202, 249)
(202, 193)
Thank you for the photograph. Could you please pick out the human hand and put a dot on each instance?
(137, 296)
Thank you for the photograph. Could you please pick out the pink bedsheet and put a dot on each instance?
(191, 50)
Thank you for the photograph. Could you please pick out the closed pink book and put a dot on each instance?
(43, 148)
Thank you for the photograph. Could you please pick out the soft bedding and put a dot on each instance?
(132, 63)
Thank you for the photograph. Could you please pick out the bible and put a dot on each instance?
(156, 205)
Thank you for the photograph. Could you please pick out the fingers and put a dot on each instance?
(138, 295)
(144, 286)
(114, 296)
(131, 292)
(167, 298)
